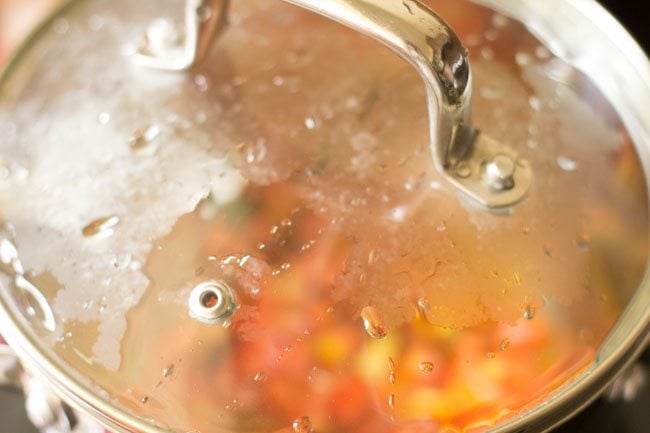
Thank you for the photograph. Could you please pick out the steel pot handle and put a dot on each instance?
(486, 170)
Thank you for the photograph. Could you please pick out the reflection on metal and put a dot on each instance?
(417, 35)
(627, 386)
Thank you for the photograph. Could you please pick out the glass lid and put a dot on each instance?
(264, 244)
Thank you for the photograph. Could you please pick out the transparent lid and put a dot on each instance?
(263, 243)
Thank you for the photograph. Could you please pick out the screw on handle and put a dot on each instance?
(468, 159)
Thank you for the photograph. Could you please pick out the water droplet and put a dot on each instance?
(559, 70)
(261, 246)
(490, 93)
(487, 53)
(472, 41)
(499, 21)
(96, 23)
(274, 230)
(60, 26)
(505, 343)
(330, 310)
(398, 214)
(204, 13)
(542, 52)
(121, 261)
(144, 399)
(424, 307)
(302, 425)
(255, 292)
(142, 139)
(426, 367)
(529, 312)
(566, 163)
(310, 123)
(535, 103)
(516, 278)
(9, 256)
(583, 242)
(285, 266)
(373, 323)
(391, 401)
(168, 371)
(441, 227)
(256, 151)
(202, 82)
(260, 376)
(548, 250)
(391, 371)
(523, 59)
(371, 257)
(103, 118)
(101, 227)
(490, 355)
(491, 35)
(463, 170)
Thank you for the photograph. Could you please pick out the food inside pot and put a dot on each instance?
(293, 169)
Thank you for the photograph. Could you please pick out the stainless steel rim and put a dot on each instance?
(627, 338)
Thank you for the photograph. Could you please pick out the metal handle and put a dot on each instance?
(481, 167)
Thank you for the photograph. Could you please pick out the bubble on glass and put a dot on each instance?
(373, 323)
(310, 123)
(101, 228)
(426, 367)
(302, 425)
(103, 118)
(529, 312)
(523, 59)
(566, 163)
(499, 21)
(60, 26)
